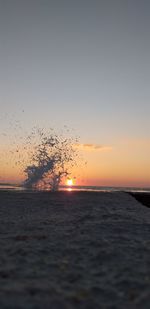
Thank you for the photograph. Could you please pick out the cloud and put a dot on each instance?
(93, 147)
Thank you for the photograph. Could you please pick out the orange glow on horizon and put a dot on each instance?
(126, 165)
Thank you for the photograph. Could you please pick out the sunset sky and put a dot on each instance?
(84, 64)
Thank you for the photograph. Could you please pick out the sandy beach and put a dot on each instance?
(74, 250)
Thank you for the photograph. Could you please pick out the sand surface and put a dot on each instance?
(74, 250)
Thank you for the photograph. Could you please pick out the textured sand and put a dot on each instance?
(74, 250)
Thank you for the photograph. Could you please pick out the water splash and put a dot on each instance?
(51, 158)
(37, 158)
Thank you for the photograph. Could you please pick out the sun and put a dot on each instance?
(69, 182)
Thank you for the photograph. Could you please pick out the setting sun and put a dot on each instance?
(69, 182)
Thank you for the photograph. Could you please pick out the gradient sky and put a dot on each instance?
(84, 64)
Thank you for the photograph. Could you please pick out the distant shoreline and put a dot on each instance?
(142, 195)
(87, 188)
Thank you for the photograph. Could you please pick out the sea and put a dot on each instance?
(18, 187)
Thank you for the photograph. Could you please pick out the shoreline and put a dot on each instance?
(141, 197)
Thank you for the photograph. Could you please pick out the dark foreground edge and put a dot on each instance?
(142, 197)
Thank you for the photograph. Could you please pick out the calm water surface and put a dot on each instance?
(12, 187)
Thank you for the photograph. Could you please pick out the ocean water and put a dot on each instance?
(16, 187)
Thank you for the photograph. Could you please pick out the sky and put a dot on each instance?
(84, 64)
